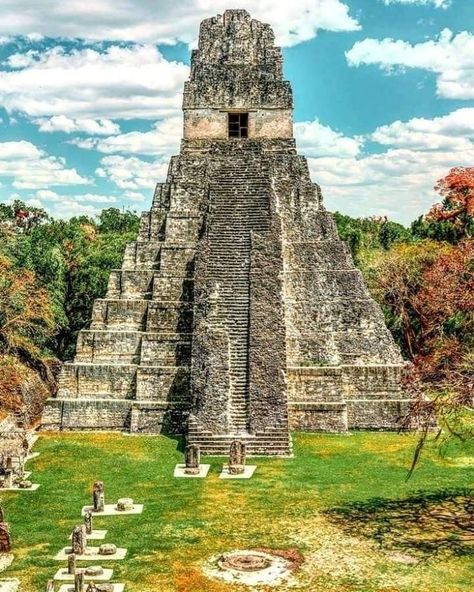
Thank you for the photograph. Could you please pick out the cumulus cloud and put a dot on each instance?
(450, 132)
(88, 84)
(132, 173)
(47, 194)
(163, 139)
(435, 3)
(61, 123)
(315, 139)
(29, 167)
(450, 57)
(74, 204)
(398, 181)
(166, 21)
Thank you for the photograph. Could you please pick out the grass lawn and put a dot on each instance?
(340, 501)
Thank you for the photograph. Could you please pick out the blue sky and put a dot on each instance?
(90, 97)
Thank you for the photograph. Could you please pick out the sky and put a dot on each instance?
(90, 97)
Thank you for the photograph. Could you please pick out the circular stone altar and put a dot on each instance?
(251, 568)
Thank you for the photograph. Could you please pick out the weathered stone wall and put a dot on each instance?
(268, 389)
(212, 124)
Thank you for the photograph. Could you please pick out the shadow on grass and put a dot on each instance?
(424, 524)
(180, 442)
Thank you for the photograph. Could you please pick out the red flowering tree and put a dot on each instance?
(457, 191)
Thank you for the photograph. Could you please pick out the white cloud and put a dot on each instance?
(31, 168)
(450, 57)
(450, 132)
(46, 194)
(435, 3)
(398, 181)
(61, 123)
(315, 139)
(132, 173)
(166, 21)
(162, 140)
(134, 196)
(119, 83)
(66, 206)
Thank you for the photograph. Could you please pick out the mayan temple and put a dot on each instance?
(238, 311)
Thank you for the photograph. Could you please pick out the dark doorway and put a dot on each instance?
(238, 125)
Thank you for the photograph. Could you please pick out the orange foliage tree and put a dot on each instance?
(427, 291)
(457, 190)
(26, 320)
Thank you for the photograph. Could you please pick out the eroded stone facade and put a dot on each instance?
(238, 312)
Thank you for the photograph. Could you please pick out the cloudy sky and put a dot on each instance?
(90, 96)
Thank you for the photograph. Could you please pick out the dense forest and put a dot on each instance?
(423, 277)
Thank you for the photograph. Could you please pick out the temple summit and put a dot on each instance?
(238, 312)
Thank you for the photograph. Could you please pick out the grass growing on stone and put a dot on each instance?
(340, 501)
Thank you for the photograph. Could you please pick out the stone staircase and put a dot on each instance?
(271, 442)
(239, 205)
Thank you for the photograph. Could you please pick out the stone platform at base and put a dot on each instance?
(248, 472)
(111, 510)
(69, 588)
(203, 471)
(92, 555)
(96, 535)
(62, 574)
(9, 585)
(34, 487)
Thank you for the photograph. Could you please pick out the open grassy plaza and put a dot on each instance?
(339, 504)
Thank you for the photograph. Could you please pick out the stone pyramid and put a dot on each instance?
(238, 312)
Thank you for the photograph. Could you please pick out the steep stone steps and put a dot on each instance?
(239, 204)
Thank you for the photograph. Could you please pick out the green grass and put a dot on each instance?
(287, 504)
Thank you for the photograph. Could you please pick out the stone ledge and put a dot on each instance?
(180, 473)
(68, 588)
(248, 472)
(62, 574)
(111, 510)
(317, 406)
(91, 555)
(95, 535)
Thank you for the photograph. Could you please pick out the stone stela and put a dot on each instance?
(5, 537)
(98, 497)
(192, 459)
(237, 457)
(237, 313)
(79, 540)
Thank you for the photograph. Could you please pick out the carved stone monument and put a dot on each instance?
(192, 457)
(237, 457)
(79, 581)
(5, 538)
(98, 496)
(79, 540)
(125, 504)
(107, 549)
(88, 521)
(256, 318)
(71, 564)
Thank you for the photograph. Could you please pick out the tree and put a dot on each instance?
(457, 207)
(26, 321)
(113, 220)
(427, 292)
